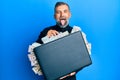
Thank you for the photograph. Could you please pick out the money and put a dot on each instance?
(30, 49)
(33, 60)
(36, 69)
(46, 39)
(75, 29)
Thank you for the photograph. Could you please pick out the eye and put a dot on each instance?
(65, 11)
(57, 12)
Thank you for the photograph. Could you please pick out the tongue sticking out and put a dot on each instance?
(62, 22)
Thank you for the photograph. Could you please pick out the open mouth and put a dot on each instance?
(63, 21)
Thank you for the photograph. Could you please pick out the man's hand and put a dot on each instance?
(52, 33)
(71, 74)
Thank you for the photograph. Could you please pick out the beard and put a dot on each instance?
(63, 22)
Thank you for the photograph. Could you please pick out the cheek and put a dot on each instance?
(68, 16)
(57, 17)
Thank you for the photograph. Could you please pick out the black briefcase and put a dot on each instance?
(63, 56)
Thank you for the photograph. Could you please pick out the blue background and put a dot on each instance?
(22, 20)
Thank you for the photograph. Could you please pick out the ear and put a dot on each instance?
(70, 15)
(54, 16)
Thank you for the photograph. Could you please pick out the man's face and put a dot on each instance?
(62, 15)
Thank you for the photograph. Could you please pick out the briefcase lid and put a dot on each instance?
(63, 56)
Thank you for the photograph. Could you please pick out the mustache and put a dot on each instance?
(62, 18)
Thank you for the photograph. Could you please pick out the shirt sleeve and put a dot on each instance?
(41, 35)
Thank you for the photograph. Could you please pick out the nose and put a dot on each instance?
(62, 14)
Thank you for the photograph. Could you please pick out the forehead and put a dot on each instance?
(62, 7)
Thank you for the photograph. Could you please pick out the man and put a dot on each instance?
(62, 15)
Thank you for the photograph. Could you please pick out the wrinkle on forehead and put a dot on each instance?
(62, 8)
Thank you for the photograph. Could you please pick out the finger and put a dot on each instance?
(63, 77)
(49, 33)
(54, 32)
(73, 73)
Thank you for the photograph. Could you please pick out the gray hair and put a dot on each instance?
(59, 4)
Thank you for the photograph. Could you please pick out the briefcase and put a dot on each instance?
(63, 56)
